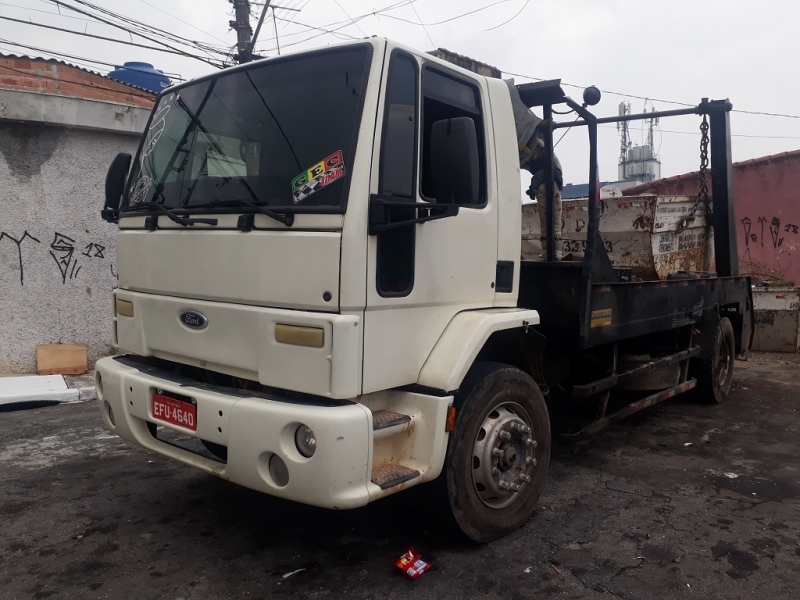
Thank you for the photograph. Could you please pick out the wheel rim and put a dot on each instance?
(503, 455)
(724, 363)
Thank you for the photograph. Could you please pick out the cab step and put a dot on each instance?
(382, 419)
(389, 475)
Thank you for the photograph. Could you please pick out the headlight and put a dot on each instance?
(305, 441)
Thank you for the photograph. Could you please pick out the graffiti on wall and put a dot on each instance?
(62, 252)
(763, 232)
(18, 242)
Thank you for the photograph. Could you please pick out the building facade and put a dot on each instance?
(60, 127)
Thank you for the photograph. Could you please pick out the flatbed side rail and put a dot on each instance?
(628, 410)
(606, 383)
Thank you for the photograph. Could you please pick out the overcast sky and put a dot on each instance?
(677, 50)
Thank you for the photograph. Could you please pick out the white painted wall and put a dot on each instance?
(57, 256)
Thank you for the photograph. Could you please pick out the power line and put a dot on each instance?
(581, 87)
(83, 59)
(351, 18)
(182, 21)
(107, 39)
(160, 32)
(472, 12)
(518, 13)
(345, 24)
(425, 29)
(741, 135)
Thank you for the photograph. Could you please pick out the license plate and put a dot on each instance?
(172, 410)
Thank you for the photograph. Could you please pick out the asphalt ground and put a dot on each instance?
(681, 501)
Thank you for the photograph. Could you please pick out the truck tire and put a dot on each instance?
(715, 375)
(498, 454)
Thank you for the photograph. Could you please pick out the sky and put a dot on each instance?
(667, 50)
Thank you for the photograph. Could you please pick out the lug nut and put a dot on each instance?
(504, 435)
(530, 461)
(525, 478)
(495, 471)
(531, 443)
(511, 487)
(496, 452)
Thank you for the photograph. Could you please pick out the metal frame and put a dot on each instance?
(596, 264)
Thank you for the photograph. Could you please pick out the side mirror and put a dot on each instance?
(455, 161)
(115, 184)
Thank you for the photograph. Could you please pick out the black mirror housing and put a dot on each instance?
(455, 161)
(115, 183)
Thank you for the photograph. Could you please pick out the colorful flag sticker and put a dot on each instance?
(317, 177)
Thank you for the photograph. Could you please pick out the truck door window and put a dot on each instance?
(445, 96)
(395, 269)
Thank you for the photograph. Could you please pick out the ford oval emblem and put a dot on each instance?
(193, 319)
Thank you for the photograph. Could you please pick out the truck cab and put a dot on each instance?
(354, 318)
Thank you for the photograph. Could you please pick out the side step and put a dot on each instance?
(388, 475)
(381, 419)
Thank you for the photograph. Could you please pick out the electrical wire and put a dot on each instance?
(107, 39)
(83, 59)
(448, 20)
(342, 24)
(137, 24)
(519, 12)
(425, 29)
(182, 21)
(351, 18)
(741, 135)
(650, 98)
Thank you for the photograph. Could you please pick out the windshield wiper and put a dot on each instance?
(185, 221)
(285, 218)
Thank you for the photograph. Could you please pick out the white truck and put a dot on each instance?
(321, 295)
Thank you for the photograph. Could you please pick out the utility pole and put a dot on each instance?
(243, 29)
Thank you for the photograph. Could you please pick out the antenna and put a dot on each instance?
(625, 138)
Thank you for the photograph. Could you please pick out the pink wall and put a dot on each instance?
(767, 208)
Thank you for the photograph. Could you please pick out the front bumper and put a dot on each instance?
(253, 428)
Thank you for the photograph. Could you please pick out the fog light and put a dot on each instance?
(305, 441)
(278, 471)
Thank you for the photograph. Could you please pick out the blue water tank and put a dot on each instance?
(141, 74)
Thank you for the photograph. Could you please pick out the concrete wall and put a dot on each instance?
(56, 254)
(767, 213)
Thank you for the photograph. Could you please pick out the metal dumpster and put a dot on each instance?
(644, 233)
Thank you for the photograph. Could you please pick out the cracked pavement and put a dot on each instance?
(680, 501)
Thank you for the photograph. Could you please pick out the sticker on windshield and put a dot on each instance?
(317, 177)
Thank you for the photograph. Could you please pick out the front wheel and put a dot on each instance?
(498, 454)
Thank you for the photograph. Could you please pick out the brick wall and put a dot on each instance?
(52, 77)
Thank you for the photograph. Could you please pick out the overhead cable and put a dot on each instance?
(108, 39)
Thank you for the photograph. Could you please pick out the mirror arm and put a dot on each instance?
(111, 215)
(378, 204)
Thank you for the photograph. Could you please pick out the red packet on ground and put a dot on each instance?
(411, 564)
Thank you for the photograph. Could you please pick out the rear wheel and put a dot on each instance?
(498, 454)
(715, 375)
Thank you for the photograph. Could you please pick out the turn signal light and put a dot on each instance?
(312, 337)
(450, 424)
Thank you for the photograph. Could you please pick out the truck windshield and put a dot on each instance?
(280, 134)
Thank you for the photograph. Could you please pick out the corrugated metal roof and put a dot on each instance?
(72, 66)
